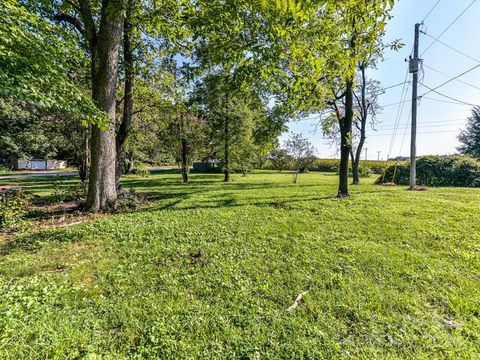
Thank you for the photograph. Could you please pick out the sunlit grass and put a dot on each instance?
(209, 269)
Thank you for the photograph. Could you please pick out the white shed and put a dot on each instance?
(38, 164)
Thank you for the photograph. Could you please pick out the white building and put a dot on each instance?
(38, 164)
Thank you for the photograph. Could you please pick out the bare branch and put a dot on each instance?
(71, 20)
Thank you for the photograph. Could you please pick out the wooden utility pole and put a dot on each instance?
(414, 65)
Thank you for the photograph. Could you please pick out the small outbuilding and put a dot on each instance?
(206, 165)
(38, 164)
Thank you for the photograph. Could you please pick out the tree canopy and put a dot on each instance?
(470, 137)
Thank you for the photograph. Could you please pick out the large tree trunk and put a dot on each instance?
(102, 192)
(128, 100)
(226, 165)
(184, 160)
(346, 140)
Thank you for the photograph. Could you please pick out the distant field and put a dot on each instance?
(207, 270)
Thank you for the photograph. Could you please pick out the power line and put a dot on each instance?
(423, 126)
(405, 133)
(445, 101)
(442, 73)
(450, 80)
(394, 86)
(449, 26)
(376, 135)
(393, 104)
(428, 132)
(431, 10)
(401, 106)
(452, 48)
(382, 90)
(379, 130)
(382, 126)
(448, 97)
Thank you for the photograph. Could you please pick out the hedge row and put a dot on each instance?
(332, 165)
(459, 171)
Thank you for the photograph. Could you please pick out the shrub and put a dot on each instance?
(144, 172)
(13, 205)
(129, 200)
(365, 171)
(63, 192)
(332, 165)
(4, 169)
(459, 171)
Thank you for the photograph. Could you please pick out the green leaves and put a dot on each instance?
(38, 62)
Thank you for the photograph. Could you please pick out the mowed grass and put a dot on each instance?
(208, 270)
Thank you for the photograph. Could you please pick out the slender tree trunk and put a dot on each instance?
(129, 162)
(184, 160)
(102, 192)
(356, 162)
(352, 157)
(356, 172)
(363, 126)
(226, 154)
(83, 167)
(128, 100)
(346, 140)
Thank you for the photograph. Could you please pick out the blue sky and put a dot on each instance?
(438, 121)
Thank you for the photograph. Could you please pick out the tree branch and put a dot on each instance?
(71, 20)
(90, 29)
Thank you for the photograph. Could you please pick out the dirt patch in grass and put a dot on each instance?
(419, 188)
(389, 184)
(282, 205)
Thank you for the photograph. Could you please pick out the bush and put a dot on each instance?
(365, 171)
(140, 172)
(63, 192)
(13, 205)
(4, 169)
(129, 200)
(459, 171)
(332, 165)
(366, 168)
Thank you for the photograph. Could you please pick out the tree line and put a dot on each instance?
(193, 78)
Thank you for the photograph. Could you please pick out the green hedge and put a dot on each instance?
(459, 171)
(331, 165)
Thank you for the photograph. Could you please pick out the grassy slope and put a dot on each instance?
(210, 269)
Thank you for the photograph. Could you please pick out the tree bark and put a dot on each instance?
(128, 98)
(363, 126)
(346, 140)
(226, 159)
(102, 192)
(83, 167)
(129, 162)
(184, 160)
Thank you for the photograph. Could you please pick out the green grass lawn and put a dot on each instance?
(208, 269)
